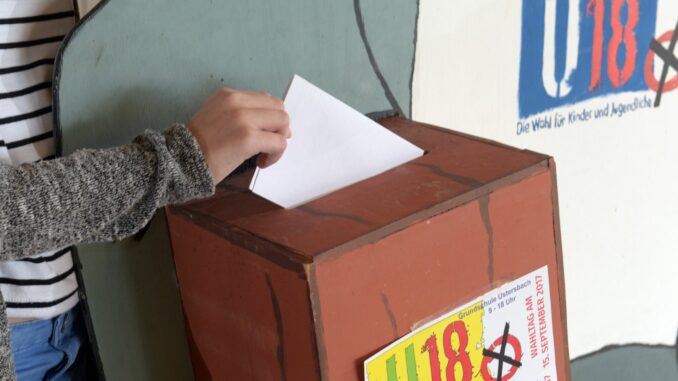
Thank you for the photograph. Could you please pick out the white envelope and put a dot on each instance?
(332, 146)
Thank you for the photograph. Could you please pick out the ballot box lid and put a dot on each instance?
(456, 169)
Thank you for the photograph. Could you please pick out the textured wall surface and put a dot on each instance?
(616, 172)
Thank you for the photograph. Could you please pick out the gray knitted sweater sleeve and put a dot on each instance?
(94, 195)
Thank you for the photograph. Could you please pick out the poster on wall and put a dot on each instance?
(593, 83)
(505, 334)
(592, 49)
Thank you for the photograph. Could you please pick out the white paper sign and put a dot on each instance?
(332, 146)
(505, 334)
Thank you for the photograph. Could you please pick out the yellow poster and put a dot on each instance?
(506, 334)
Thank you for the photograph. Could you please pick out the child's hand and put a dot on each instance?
(234, 125)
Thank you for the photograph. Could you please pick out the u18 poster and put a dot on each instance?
(503, 335)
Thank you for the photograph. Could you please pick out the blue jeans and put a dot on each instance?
(49, 349)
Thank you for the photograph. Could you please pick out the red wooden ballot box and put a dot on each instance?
(310, 293)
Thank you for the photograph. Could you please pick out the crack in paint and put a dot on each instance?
(370, 55)
(458, 178)
(484, 203)
(279, 327)
(391, 315)
(319, 213)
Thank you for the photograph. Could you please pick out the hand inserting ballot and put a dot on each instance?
(234, 125)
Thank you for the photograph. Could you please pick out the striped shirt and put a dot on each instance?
(31, 31)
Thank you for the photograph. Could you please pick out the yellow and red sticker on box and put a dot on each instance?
(506, 334)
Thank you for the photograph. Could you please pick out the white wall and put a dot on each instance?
(617, 177)
(86, 5)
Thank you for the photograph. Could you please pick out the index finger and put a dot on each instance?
(247, 99)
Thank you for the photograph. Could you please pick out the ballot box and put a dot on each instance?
(459, 248)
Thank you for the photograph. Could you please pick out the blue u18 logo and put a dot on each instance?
(577, 50)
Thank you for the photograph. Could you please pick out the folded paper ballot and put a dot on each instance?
(332, 146)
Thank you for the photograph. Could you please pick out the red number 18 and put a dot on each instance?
(454, 356)
(620, 33)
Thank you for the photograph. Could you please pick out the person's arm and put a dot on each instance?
(98, 195)
(104, 195)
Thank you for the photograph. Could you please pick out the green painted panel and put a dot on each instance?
(628, 363)
(392, 39)
(134, 299)
(138, 65)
